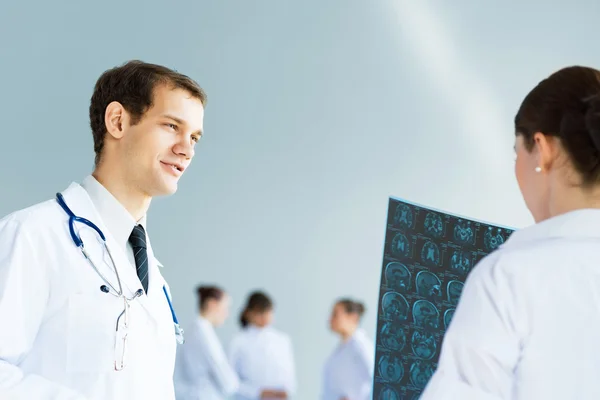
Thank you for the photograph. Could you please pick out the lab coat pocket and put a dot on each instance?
(91, 331)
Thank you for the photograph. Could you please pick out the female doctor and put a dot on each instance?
(348, 372)
(202, 370)
(262, 355)
(528, 321)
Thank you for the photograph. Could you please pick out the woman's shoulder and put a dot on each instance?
(279, 334)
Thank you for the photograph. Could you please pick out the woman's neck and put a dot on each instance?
(565, 199)
(207, 317)
(347, 335)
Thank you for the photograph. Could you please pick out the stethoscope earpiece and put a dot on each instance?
(137, 293)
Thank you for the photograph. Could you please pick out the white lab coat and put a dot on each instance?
(202, 370)
(57, 336)
(348, 371)
(528, 323)
(263, 359)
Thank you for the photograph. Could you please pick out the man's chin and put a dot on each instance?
(165, 190)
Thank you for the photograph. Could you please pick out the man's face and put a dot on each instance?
(157, 150)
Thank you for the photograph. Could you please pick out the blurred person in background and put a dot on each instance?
(261, 355)
(202, 369)
(348, 372)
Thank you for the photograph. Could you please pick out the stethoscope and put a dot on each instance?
(108, 287)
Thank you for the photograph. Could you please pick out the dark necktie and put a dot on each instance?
(138, 243)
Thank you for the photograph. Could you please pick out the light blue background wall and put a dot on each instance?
(318, 111)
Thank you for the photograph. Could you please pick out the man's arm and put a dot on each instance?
(24, 291)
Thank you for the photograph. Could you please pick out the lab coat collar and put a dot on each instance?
(251, 328)
(119, 221)
(584, 223)
(359, 334)
(79, 202)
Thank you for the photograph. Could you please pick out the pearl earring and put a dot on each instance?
(538, 169)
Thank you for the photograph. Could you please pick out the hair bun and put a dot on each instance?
(592, 119)
(360, 307)
(202, 290)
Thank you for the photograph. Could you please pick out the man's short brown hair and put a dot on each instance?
(132, 84)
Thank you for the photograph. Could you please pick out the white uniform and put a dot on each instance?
(263, 359)
(202, 370)
(348, 372)
(57, 336)
(528, 322)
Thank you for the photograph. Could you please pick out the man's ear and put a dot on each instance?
(115, 119)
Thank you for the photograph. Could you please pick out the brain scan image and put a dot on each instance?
(397, 276)
(464, 233)
(420, 373)
(460, 261)
(423, 345)
(433, 224)
(492, 239)
(403, 216)
(425, 314)
(454, 291)
(448, 317)
(430, 254)
(387, 393)
(400, 245)
(428, 285)
(390, 368)
(394, 306)
(393, 336)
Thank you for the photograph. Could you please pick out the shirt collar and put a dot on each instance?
(118, 220)
(578, 224)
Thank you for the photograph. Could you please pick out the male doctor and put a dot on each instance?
(100, 328)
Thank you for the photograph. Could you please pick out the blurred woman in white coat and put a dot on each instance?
(261, 355)
(528, 321)
(202, 370)
(348, 372)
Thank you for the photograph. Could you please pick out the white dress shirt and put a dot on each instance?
(202, 370)
(117, 219)
(528, 322)
(263, 359)
(348, 372)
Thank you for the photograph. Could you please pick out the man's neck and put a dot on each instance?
(135, 202)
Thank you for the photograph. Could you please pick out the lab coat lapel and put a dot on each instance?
(156, 297)
(80, 203)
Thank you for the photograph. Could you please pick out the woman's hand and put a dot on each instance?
(269, 394)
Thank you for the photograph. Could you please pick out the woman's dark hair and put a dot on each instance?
(257, 302)
(352, 306)
(206, 293)
(566, 105)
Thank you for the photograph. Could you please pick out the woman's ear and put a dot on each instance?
(546, 150)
